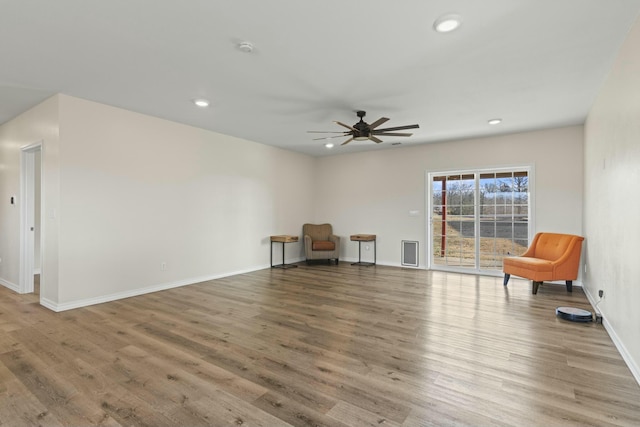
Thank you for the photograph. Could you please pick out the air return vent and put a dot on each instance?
(410, 253)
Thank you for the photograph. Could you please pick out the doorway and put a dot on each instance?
(31, 277)
(478, 217)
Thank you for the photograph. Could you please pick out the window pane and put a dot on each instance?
(500, 199)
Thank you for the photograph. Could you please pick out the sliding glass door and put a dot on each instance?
(453, 218)
(478, 217)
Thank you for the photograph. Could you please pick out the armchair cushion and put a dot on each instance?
(322, 245)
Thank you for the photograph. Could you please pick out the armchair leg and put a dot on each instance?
(534, 288)
(506, 279)
(569, 286)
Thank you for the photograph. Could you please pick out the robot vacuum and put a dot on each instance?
(574, 314)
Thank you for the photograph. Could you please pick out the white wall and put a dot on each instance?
(373, 192)
(37, 124)
(127, 192)
(612, 200)
(138, 191)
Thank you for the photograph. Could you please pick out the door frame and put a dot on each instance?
(27, 217)
(530, 167)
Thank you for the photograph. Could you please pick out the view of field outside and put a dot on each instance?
(491, 211)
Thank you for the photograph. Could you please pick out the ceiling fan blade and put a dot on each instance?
(374, 139)
(391, 134)
(329, 137)
(398, 128)
(347, 141)
(325, 131)
(347, 126)
(378, 122)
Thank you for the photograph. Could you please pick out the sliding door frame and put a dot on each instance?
(429, 174)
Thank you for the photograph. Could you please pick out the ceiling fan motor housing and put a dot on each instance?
(363, 128)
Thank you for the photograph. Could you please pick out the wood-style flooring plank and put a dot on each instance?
(319, 345)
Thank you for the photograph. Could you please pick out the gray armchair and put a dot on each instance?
(320, 242)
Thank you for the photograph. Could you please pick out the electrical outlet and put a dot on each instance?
(585, 267)
(366, 247)
(600, 293)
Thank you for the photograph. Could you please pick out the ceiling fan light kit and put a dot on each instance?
(363, 131)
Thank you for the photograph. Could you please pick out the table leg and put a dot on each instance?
(360, 262)
(283, 265)
(374, 251)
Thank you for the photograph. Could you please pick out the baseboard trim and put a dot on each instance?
(58, 307)
(51, 305)
(378, 262)
(626, 356)
(9, 285)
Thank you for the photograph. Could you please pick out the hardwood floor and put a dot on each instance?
(315, 346)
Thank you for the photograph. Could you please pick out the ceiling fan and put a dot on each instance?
(363, 131)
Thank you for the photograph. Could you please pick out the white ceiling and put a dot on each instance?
(533, 63)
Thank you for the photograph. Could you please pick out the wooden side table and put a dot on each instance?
(364, 238)
(282, 239)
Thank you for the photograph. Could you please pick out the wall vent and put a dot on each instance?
(410, 253)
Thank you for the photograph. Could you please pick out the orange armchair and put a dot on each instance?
(551, 256)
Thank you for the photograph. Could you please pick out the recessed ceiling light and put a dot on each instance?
(201, 102)
(329, 145)
(495, 121)
(447, 23)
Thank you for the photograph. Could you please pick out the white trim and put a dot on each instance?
(52, 305)
(27, 186)
(27, 167)
(530, 167)
(9, 285)
(626, 356)
(49, 304)
(381, 263)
